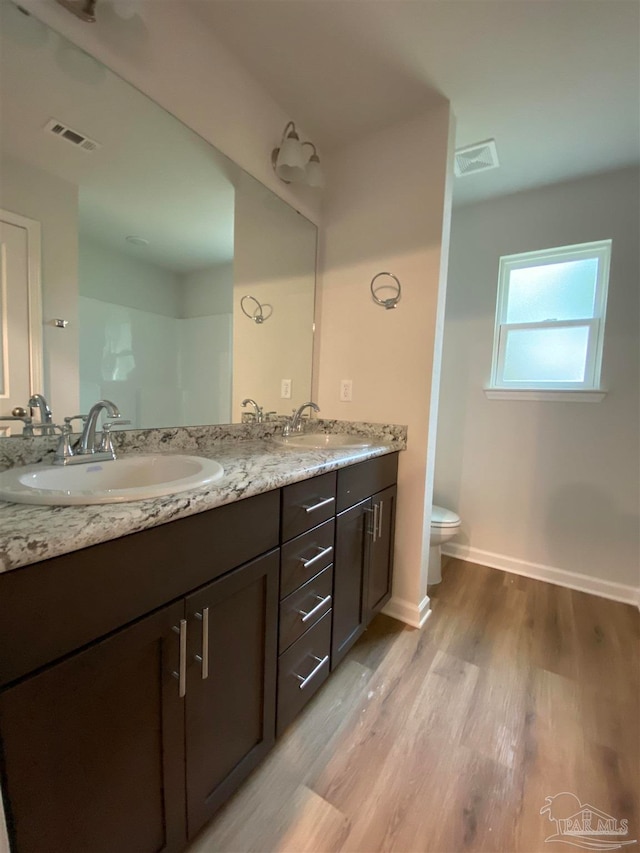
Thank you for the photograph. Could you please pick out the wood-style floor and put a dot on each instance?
(450, 739)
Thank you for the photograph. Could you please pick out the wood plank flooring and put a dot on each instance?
(450, 739)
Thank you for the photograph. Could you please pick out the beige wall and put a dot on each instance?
(385, 211)
(54, 203)
(170, 56)
(276, 266)
(549, 488)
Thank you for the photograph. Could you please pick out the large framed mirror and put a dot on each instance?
(173, 283)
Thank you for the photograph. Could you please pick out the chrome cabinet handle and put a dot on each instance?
(321, 603)
(314, 671)
(376, 510)
(322, 553)
(381, 504)
(313, 507)
(181, 674)
(204, 657)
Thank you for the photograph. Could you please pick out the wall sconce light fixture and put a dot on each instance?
(291, 162)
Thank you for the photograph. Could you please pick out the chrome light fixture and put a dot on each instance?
(292, 164)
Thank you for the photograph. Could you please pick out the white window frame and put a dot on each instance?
(526, 389)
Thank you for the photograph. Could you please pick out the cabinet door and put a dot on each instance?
(230, 714)
(93, 756)
(380, 552)
(352, 528)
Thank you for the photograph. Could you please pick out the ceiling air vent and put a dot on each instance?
(476, 158)
(74, 137)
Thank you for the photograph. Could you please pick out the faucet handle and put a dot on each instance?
(82, 418)
(111, 422)
(106, 445)
(64, 450)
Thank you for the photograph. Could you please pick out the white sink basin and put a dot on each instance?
(130, 478)
(321, 440)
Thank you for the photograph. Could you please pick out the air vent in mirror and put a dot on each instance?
(74, 137)
(476, 158)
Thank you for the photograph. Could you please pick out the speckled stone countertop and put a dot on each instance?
(253, 463)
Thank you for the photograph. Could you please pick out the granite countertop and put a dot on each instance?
(29, 534)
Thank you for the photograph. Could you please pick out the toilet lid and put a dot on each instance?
(441, 517)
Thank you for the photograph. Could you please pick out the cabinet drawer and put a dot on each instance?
(307, 504)
(305, 556)
(301, 671)
(360, 481)
(302, 609)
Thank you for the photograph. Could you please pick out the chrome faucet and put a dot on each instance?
(259, 413)
(87, 449)
(295, 424)
(87, 442)
(37, 401)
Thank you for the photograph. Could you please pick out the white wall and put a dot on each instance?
(156, 343)
(130, 356)
(54, 203)
(170, 56)
(551, 484)
(385, 211)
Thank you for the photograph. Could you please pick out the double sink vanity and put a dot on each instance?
(151, 652)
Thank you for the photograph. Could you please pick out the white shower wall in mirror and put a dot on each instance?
(156, 340)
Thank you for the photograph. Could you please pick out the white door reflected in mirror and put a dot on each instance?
(20, 316)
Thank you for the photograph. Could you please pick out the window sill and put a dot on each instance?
(563, 396)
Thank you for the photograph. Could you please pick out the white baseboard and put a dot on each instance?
(538, 571)
(408, 612)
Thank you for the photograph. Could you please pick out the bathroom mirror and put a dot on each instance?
(152, 244)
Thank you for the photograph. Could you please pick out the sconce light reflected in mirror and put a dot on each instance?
(86, 9)
(291, 162)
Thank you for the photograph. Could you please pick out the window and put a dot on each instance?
(550, 319)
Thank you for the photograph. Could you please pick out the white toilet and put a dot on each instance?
(445, 524)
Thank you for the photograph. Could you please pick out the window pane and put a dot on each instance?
(563, 291)
(546, 355)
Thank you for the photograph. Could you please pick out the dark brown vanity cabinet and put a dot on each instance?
(363, 566)
(231, 684)
(93, 747)
(142, 679)
(124, 744)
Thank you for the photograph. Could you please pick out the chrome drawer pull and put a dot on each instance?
(380, 520)
(181, 675)
(324, 552)
(314, 671)
(312, 507)
(204, 657)
(321, 603)
(376, 510)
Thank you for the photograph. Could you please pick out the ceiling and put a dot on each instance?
(555, 82)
